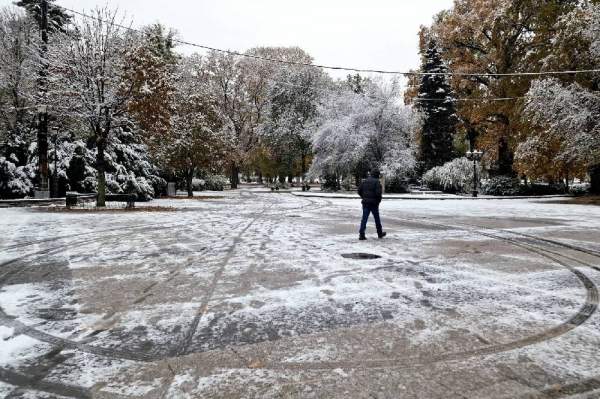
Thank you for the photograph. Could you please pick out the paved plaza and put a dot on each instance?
(247, 295)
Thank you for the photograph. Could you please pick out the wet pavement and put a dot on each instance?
(250, 296)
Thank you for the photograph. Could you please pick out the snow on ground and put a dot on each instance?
(246, 294)
(15, 348)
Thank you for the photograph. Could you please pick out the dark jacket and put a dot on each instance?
(370, 191)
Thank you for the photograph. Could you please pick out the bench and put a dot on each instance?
(72, 198)
(128, 198)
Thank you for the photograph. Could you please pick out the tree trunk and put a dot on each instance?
(594, 172)
(101, 170)
(472, 137)
(303, 166)
(505, 158)
(235, 170)
(260, 178)
(188, 182)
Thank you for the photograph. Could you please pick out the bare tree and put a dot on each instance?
(17, 79)
(90, 68)
(229, 88)
(196, 141)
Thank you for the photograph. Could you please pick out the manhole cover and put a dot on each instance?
(361, 255)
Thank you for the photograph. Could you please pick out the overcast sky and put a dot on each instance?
(376, 34)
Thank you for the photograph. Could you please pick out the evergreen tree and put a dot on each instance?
(18, 69)
(57, 17)
(437, 107)
(131, 168)
(356, 83)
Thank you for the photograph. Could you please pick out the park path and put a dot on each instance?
(249, 296)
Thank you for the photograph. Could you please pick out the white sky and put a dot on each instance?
(377, 34)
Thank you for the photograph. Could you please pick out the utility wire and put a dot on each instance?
(324, 89)
(347, 69)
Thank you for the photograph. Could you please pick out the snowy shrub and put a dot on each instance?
(396, 185)
(330, 183)
(14, 181)
(158, 184)
(579, 189)
(455, 176)
(210, 183)
(139, 186)
(131, 185)
(215, 182)
(511, 186)
(278, 185)
(145, 191)
(543, 189)
(113, 186)
(198, 184)
(90, 184)
(503, 186)
(347, 183)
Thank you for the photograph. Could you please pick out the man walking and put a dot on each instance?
(370, 191)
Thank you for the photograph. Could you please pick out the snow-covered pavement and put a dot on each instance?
(248, 296)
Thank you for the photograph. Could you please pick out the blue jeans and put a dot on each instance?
(368, 209)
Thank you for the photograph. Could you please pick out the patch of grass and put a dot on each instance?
(585, 200)
(197, 198)
(107, 209)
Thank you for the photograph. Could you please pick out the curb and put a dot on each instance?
(422, 198)
(30, 202)
(23, 203)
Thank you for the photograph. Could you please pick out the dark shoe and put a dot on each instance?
(382, 235)
(362, 237)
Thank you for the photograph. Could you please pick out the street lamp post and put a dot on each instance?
(475, 156)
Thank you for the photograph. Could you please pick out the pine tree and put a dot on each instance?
(57, 17)
(17, 87)
(129, 162)
(356, 83)
(436, 105)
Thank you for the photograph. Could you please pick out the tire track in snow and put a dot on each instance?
(580, 317)
(34, 383)
(183, 347)
(586, 311)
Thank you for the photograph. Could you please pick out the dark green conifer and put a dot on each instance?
(57, 17)
(435, 101)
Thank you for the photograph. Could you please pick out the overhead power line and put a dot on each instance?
(450, 99)
(289, 84)
(347, 69)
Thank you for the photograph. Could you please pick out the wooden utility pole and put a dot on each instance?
(55, 174)
(42, 134)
